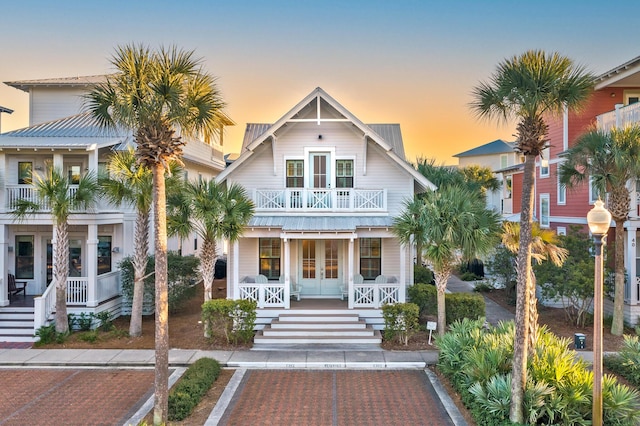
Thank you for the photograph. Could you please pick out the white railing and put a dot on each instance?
(619, 117)
(77, 290)
(507, 206)
(270, 295)
(43, 307)
(108, 286)
(314, 199)
(29, 193)
(375, 295)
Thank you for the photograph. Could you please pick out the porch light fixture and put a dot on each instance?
(319, 136)
(116, 250)
(599, 220)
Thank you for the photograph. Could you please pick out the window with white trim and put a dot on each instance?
(593, 192)
(295, 173)
(544, 210)
(344, 173)
(544, 163)
(504, 161)
(562, 192)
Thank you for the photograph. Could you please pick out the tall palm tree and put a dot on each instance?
(612, 162)
(528, 88)
(128, 182)
(544, 246)
(214, 212)
(55, 191)
(456, 226)
(409, 227)
(156, 93)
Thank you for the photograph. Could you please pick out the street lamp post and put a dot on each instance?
(599, 220)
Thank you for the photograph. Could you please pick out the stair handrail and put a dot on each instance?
(43, 307)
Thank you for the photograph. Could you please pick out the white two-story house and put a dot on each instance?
(326, 188)
(61, 135)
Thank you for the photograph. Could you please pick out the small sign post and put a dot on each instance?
(431, 325)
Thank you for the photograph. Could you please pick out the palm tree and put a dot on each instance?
(529, 87)
(128, 182)
(612, 162)
(55, 191)
(214, 212)
(455, 224)
(156, 93)
(409, 227)
(544, 246)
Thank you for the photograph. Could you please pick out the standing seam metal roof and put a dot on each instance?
(82, 125)
(315, 223)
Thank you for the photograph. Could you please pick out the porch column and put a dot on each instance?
(58, 161)
(4, 255)
(3, 194)
(93, 161)
(92, 265)
(351, 293)
(631, 263)
(287, 274)
(403, 273)
(232, 287)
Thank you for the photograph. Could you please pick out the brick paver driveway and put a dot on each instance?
(72, 396)
(403, 397)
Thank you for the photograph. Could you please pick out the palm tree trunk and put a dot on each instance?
(139, 270)
(162, 308)
(441, 276)
(207, 271)
(60, 274)
(617, 326)
(523, 291)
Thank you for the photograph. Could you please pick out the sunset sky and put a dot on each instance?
(408, 62)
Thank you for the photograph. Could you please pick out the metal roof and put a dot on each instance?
(89, 80)
(82, 125)
(496, 147)
(392, 135)
(5, 110)
(253, 132)
(315, 223)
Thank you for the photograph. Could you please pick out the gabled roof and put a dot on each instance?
(81, 81)
(496, 147)
(627, 74)
(258, 133)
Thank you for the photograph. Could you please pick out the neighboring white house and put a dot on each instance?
(61, 135)
(326, 188)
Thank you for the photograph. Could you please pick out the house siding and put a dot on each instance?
(49, 103)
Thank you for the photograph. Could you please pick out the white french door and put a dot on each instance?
(320, 267)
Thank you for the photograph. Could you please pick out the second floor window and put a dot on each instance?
(25, 173)
(544, 210)
(295, 174)
(74, 174)
(344, 174)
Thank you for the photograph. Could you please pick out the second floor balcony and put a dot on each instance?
(320, 199)
(620, 117)
(14, 193)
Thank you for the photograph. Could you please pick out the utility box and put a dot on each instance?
(580, 341)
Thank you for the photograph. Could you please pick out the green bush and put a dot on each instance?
(627, 361)
(48, 334)
(483, 287)
(464, 305)
(457, 305)
(469, 276)
(193, 385)
(232, 319)
(400, 321)
(88, 336)
(105, 320)
(477, 362)
(422, 275)
(182, 274)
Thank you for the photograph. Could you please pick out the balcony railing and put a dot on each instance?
(619, 117)
(320, 199)
(14, 193)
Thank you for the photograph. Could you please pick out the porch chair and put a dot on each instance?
(344, 289)
(294, 289)
(261, 279)
(13, 286)
(381, 279)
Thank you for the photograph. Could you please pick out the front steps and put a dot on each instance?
(16, 324)
(338, 330)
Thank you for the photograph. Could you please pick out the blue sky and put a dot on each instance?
(408, 62)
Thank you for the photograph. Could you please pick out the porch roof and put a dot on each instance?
(315, 223)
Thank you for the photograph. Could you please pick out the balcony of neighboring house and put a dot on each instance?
(621, 116)
(299, 200)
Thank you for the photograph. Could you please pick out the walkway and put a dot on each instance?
(494, 313)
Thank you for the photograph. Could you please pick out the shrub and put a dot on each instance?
(464, 305)
(84, 321)
(233, 319)
(193, 385)
(422, 275)
(627, 361)
(181, 275)
(469, 276)
(89, 336)
(483, 287)
(106, 320)
(457, 305)
(400, 321)
(48, 335)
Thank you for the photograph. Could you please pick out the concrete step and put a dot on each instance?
(260, 339)
(16, 338)
(319, 317)
(276, 323)
(322, 332)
